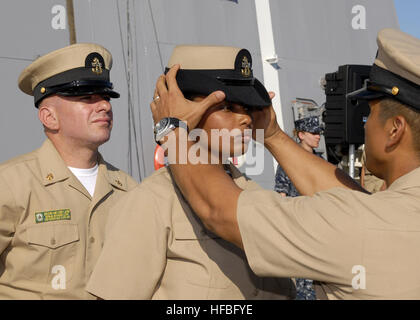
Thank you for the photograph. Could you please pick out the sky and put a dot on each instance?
(408, 12)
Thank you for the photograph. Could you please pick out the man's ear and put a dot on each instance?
(47, 114)
(397, 130)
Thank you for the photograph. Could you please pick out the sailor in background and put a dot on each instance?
(54, 201)
(308, 132)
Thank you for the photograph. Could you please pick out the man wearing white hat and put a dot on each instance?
(54, 201)
(357, 245)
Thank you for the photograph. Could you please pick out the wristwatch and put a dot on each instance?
(165, 126)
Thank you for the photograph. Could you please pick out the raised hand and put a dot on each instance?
(266, 119)
(168, 101)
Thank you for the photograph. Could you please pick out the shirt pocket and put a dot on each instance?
(51, 249)
(203, 256)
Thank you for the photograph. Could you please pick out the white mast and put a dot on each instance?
(269, 57)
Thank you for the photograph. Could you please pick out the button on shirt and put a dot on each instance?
(47, 218)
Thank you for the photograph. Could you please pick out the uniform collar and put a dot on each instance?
(234, 171)
(411, 179)
(54, 169)
(112, 175)
(237, 176)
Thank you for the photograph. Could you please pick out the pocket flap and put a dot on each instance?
(52, 236)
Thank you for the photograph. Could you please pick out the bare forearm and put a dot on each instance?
(309, 173)
(214, 199)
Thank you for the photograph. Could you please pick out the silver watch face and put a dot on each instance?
(161, 129)
(161, 125)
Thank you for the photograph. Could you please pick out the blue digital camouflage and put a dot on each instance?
(309, 124)
(283, 184)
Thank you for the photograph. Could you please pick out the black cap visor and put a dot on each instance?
(88, 90)
(369, 92)
(316, 131)
(383, 83)
(313, 131)
(76, 88)
(80, 88)
(248, 92)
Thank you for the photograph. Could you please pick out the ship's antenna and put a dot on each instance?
(70, 21)
(128, 66)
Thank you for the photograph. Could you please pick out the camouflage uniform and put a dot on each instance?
(283, 184)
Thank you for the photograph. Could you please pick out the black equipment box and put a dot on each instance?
(345, 118)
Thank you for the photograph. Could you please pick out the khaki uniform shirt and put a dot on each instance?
(358, 245)
(51, 230)
(158, 249)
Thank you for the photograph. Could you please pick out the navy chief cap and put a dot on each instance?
(396, 70)
(205, 69)
(78, 69)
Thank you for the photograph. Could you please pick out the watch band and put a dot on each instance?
(166, 125)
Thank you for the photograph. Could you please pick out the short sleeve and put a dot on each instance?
(133, 258)
(317, 237)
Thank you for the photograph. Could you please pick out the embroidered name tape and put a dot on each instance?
(54, 215)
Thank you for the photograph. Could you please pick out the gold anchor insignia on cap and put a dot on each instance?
(97, 66)
(49, 176)
(246, 67)
(395, 90)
